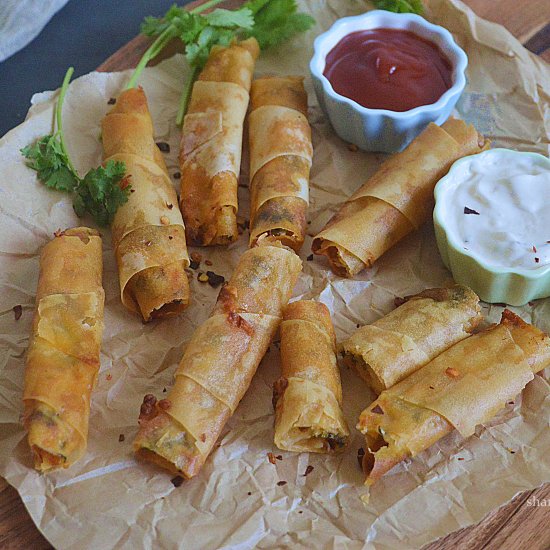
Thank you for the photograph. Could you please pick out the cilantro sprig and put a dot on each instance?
(102, 190)
(400, 6)
(271, 22)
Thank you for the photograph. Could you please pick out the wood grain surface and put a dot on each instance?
(518, 525)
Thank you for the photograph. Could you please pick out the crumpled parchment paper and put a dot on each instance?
(108, 499)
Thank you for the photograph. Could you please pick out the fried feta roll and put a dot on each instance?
(210, 152)
(63, 355)
(308, 396)
(463, 387)
(148, 231)
(396, 200)
(280, 160)
(410, 336)
(179, 432)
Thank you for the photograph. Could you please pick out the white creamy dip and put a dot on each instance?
(496, 206)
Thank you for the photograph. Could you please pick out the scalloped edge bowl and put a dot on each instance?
(493, 284)
(380, 129)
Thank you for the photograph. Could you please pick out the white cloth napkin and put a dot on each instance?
(22, 20)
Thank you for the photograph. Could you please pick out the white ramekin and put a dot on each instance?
(380, 129)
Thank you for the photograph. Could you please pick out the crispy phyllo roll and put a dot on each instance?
(148, 231)
(396, 200)
(308, 396)
(280, 159)
(210, 153)
(179, 432)
(461, 388)
(410, 336)
(63, 354)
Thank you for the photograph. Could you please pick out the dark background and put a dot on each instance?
(83, 34)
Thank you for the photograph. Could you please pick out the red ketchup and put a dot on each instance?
(389, 69)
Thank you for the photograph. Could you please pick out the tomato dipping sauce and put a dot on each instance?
(390, 69)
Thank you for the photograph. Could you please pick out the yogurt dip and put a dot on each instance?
(496, 207)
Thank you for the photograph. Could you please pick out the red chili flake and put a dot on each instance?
(121, 438)
(308, 471)
(196, 257)
(271, 458)
(203, 437)
(236, 320)
(279, 457)
(510, 402)
(431, 388)
(452, 373)
(470, 211)
(537, 260)
(164, 404)
(208, 262)
(170, 237)
(309, 258)
(125, 182)
(377, 410)
(534, 249)
(163, 146)
(17, 312)
(360, 455)
(281, 483)
(177, 481)
(460, 458)
(169, 205)
(109, 376)
(177, 175)
(111, 101)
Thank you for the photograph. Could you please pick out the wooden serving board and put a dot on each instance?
(517, 525)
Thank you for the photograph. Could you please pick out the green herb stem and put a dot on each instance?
(59, 116)
(152, 51)
(160, 43)
(186, 95)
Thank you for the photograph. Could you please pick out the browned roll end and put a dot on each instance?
(286, 91)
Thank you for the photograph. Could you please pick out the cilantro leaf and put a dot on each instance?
(276, 21)
(271, 22)
(241, 18)
(47, 157)
(101, 192)
(400, 6)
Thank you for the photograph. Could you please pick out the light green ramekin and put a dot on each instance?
(493, 284)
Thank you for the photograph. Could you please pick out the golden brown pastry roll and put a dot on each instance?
(308, 396)
(396, 200)
(210, 152)
(148, 231)
(461, 388)
(179, 432)
(410, 336)
(280, 160)
(63, 355)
